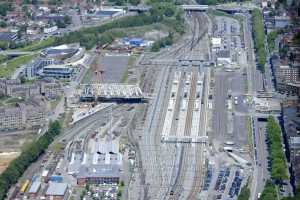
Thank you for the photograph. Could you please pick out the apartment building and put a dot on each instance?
(31, 114)
(13, 88)
(287, 74)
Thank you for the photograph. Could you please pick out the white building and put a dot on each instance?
(50, 29)
(216, 43)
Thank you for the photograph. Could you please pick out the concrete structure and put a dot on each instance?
(112, 92)
(195, 7)
(139, 9)
(57, 191)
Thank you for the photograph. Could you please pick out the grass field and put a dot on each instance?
(39, 45)
(8, 68)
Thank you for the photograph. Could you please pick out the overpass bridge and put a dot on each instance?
(225, 8)
(15, 53)
(194, 7)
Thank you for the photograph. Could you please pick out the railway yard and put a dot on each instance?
(190, 137)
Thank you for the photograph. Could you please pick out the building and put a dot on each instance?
(35, 114)
(108, 13)
(11, 118)
(31, 114)
(51, 89)
(57, 191)
(61, 52)
(8, 36)
(47, 87)
(34, 189)
(287, 74)
(22, 90)
(134, 42)
(223, 57)
(99, 174)
(57, 71)
(48, 30)
(216, 43)
(267, 106)
(282, 21)
(36, 65)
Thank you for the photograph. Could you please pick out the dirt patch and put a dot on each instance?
(155, 35)
(6, 158)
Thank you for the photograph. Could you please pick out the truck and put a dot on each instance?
(24, 187)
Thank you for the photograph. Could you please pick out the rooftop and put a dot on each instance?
(110, 171)
(56, 189)
(35, 186)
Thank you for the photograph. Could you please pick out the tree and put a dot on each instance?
(4, 7)
(134, 2)
(3, 24)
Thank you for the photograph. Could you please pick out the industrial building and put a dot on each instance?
(57, 191)
(99, 174)
(34, 189)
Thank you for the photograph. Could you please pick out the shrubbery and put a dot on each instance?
(279, 167)
(259, 38)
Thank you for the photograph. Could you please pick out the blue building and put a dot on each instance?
(136, 42)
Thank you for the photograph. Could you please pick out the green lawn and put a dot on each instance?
(7, 69)
(39, 44)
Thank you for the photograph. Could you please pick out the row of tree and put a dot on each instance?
(245, 193)
(30, 154)
(259, 38)
(275, 148)
(271, 40)
(214, 2)
(269, 192)
(4, 7)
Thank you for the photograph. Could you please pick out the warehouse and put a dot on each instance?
(99, 174)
